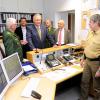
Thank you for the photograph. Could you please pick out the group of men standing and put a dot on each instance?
(36, 36)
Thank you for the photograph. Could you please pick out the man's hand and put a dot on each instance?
(98, 73)
(55, 45)
(36, 50)
(82, 62)
(23, 42)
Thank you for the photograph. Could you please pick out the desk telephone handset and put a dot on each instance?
(68, 58)
(51, 61)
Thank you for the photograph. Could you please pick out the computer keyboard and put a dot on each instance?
(31, 85)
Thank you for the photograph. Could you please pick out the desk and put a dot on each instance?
(39, 58)
(46, 88)
(31, 54)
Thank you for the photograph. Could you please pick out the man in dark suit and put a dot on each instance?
(22, 31)
(61, 34)
(39, 34)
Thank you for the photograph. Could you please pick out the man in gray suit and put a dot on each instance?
(61, 34)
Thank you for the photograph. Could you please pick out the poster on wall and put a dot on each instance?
(85, 19)
(98, 4)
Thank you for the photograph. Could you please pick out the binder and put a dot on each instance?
(32, 69)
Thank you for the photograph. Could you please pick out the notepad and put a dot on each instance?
(27, 68)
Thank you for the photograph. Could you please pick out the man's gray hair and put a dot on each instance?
(37, 15)
(95, 18)
(9, 22)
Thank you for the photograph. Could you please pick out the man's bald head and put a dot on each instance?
(61, 24)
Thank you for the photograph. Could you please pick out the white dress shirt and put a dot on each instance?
(24, 32)
(62, 36)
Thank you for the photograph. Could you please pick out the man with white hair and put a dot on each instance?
(61, 34)
(11, 41)
(39, 34)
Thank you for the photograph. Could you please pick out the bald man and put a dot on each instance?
(61, 34)
(37, 40)
(51, 31)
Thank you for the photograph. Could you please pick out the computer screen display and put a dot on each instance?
(3, 83)
(12, 67)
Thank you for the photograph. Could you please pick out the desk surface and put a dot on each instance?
(63, 74)
(46, 88)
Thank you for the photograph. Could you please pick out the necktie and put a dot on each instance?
(59, 38)
(39, 31)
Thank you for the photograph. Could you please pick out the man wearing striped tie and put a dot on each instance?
(39, 34)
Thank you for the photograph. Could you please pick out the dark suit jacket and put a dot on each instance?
(34, 39)
(66, 36)
(19, 33)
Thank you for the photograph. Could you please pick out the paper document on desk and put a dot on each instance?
(61, 73)
(27, 68)
(41, 65)
(73, 44)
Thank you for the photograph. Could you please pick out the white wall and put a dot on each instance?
(52, 8)
(30, 6)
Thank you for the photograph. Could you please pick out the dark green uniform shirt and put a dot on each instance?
(12, 44)
(51, 32)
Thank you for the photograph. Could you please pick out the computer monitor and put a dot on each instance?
(12, 67)
(3, 83)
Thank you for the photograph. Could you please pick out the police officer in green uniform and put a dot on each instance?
(51, 31)
(91, 62)
(11, 41)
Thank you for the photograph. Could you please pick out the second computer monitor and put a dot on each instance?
(12, 67)
(3, 83)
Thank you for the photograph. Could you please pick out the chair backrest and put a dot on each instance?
(2, 51)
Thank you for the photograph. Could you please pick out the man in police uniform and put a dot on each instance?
(11, 41)
(92, 60)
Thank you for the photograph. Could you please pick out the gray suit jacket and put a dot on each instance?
(66, 36)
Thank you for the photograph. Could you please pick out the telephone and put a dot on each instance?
(68, 57)
(62, 60)
(51, 61)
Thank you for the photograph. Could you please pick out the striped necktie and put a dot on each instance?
(59, 38)
(39, 31)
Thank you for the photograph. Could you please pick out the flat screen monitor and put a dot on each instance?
(3, 83)
(12, 67)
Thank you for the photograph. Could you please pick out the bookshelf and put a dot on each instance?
(17, 16)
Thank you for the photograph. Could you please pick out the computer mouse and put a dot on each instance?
(36, 95)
